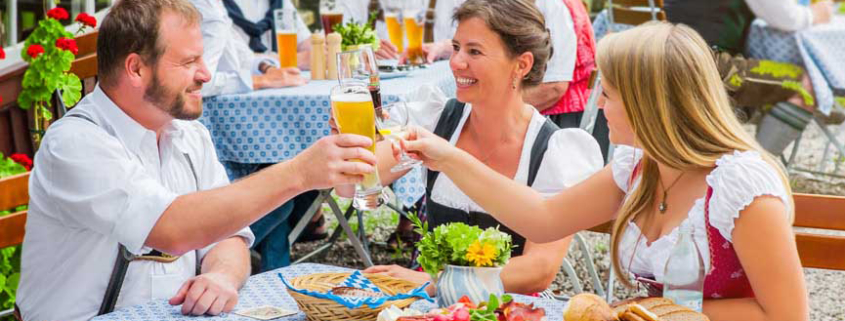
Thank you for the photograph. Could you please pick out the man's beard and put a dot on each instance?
(171, 103)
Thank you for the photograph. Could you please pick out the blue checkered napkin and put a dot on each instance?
(358, 280)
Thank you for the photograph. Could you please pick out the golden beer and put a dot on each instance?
(394, 31)
(287, 49)
(354, 114)
(415, 37)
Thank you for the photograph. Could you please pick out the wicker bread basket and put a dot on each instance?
(317, 309)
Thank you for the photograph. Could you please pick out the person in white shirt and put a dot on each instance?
(130, 171)
(788, 15)
(254, 22)
(233, 65)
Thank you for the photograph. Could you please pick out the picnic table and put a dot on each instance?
(267, 289)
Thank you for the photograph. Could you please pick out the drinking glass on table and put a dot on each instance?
(392, 125)
(359, 65)
(413, 18)
(393, 21)
(352, 107)
(285, 20)
(330, 15)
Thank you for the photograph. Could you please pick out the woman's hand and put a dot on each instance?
(434, 151)
(403, 273)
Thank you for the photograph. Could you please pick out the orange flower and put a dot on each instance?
(481, 254)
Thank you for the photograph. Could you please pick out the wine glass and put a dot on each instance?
(393, 125)
(357, 66)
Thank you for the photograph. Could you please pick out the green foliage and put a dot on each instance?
(487, 311)
(777, 69)
(354, 33)
(796, 86)
(448, 244)
(8, 167)
(840, 100)
(48, 71)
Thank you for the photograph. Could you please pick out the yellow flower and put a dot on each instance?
(481, 254)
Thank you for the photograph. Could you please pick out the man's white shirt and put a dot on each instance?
(98, 184)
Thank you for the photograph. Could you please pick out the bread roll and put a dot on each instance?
(588, 307)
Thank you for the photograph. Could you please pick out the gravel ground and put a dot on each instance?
(826, 288)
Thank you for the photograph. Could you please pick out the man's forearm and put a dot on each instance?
(545, 95)
(230, 257)
(198, 219)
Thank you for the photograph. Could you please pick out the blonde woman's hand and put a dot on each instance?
(434, 151)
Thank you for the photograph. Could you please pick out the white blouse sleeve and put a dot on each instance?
(738, 179)
(425, 106)
(573, 155)
(625, 158)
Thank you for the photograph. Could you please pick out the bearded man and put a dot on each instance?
(128, 202)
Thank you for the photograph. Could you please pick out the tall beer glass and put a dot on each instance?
(414, 21)
(353, 111)
(285, 20)
(393, 20)
(330, 15)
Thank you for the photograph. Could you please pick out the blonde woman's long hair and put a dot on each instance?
(677, 106)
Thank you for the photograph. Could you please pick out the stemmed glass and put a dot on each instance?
(357, 66)
(392, 125)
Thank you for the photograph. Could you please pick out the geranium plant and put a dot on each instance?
(50, 50)
(461, 244)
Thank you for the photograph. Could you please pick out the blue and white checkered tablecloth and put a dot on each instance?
(272, 125)
(820, 49)
(815, 48)
(267, 289)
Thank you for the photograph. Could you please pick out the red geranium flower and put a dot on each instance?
(58, 13)
(34, 50)
(87, 20)
(2, 53)
(22, 159)
(67, 44)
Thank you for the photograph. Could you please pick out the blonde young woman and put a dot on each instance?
(691, 161)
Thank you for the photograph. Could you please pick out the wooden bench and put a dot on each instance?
(817, 250)
(15, 192)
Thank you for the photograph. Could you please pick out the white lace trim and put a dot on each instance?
(738, 179)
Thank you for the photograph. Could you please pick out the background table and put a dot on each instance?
(267, 289)
(272, 125)
(819, 49)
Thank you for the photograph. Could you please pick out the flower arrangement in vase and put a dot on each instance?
(464, 260)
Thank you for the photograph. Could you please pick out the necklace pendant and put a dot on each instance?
(662, 207)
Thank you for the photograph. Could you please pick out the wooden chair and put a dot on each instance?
(14, 192)
(635, 12)
(820, 212)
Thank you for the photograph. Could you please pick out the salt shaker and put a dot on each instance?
(333, 40)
